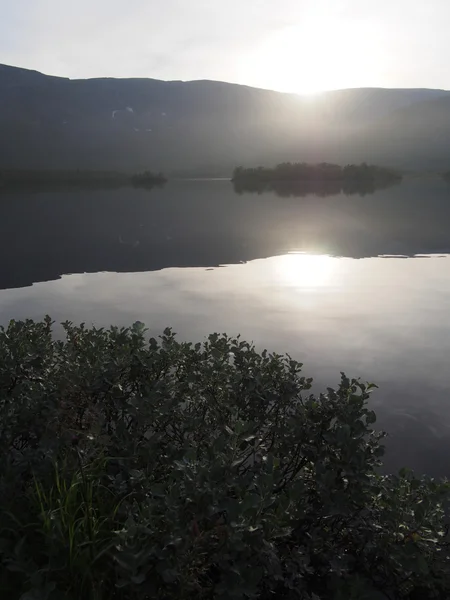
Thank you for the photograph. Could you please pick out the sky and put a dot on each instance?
(300, 46)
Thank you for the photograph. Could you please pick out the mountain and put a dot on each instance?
(417, 135)
(209, 126)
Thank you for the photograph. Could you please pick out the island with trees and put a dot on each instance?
(135, 467)
(299, 179)
(17, 179)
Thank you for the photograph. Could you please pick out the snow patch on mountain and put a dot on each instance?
(127, 109)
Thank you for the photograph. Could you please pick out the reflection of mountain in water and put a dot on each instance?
(301, 189)
(43, 236)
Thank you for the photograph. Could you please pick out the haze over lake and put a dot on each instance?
(334, 280)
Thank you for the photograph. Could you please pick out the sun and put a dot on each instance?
(324, 52)
(302, 270)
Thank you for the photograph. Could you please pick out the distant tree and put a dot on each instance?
(19, 178)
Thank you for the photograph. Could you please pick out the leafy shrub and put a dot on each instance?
(135, 468)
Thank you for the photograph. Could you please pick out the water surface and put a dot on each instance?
(324, 278)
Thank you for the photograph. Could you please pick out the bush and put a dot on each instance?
(135, 468)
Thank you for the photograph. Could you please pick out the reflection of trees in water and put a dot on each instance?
(300, 189)
(323, 179)
(362, 188)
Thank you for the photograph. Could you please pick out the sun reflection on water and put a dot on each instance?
(303, 270)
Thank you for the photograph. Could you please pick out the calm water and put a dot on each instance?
(335, 281)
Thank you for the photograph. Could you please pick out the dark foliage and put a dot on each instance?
(135, 468)
(148, 179)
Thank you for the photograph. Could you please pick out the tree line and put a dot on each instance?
(29, 178)
(316, 172)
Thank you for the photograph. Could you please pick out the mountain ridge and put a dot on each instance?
(206, 80)
(137, 123)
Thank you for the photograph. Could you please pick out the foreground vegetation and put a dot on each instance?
(299, 179)
(41, 179)
(135, 468)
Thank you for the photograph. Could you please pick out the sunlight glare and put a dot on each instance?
(301, 270)
(322, 53)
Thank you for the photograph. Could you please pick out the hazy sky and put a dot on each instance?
(288, 45)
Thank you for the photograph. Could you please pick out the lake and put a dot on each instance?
(352, 283)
